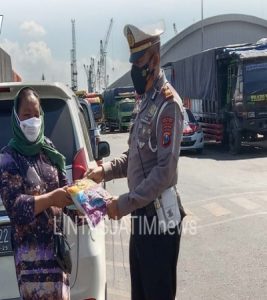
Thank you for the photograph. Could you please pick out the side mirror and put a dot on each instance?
(103, 150)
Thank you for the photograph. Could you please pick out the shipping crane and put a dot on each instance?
(102, 68)
(90, 74)
(74, 73)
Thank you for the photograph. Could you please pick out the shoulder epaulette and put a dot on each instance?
(167, 93)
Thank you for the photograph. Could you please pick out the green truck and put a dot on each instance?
(118, 107)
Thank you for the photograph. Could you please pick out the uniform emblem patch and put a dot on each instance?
(167, 127)
(130, 38)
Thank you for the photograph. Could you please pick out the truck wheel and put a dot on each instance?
(234, 139)
(225, 140)
(111, 128)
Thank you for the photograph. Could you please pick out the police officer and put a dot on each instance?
(150, 165)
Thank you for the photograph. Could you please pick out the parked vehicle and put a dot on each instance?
(67, 126)
(96, 101)
(118, 107)
(226, 89)
(193, 138)
(94, 129)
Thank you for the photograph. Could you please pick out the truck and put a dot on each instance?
(226, 90)
(118, 107)
(96, 101)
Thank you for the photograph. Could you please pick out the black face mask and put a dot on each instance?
(140, 77)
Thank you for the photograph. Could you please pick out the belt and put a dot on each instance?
(148, 210)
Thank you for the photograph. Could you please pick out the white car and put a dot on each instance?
(193, 138)
(66, 124)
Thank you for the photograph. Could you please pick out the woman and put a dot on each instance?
(32, 174)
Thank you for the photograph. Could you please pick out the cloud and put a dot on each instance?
(33, 59)
(32, 29)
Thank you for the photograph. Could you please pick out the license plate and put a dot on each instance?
(187, 139)
(5, 241)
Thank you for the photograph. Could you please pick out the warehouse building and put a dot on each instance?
(212, 32)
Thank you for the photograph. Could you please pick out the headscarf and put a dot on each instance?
(20, 143)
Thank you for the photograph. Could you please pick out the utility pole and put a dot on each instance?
(74, 73)
(202, 26)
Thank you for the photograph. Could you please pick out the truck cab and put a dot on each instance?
(226, 90)
(124, 109)
(118, 107)
(247, 100)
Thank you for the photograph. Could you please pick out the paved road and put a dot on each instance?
(224, 245)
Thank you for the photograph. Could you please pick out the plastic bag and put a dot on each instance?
(90, 199)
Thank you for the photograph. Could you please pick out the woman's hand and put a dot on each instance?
(60, 198)
(97, 174)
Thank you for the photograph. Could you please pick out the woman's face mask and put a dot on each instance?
(30, 127)
(140, 76)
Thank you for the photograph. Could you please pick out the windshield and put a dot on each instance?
(255, 81)
(127, 107)
(189, 117)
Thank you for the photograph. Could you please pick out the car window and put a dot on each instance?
(86, 134)
(88, 115)
(58, 125)
(189, 117)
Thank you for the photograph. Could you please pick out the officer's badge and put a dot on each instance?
(152, 110)
(166, 140)
(130, 38)
(141, 144)
(167, 127)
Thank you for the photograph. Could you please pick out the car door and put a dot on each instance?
(8, 279)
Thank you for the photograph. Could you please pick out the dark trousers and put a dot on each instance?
(153, 260)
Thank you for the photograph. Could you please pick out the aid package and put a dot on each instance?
(90, 199)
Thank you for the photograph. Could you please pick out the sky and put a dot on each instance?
(37, 33)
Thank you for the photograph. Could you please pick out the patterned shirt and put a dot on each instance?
(22, 178)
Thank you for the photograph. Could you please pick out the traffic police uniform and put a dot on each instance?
(150, 165)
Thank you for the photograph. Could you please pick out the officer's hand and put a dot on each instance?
(112, 209)
(96, 174)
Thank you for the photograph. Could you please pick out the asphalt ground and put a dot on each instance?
(223, 251)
